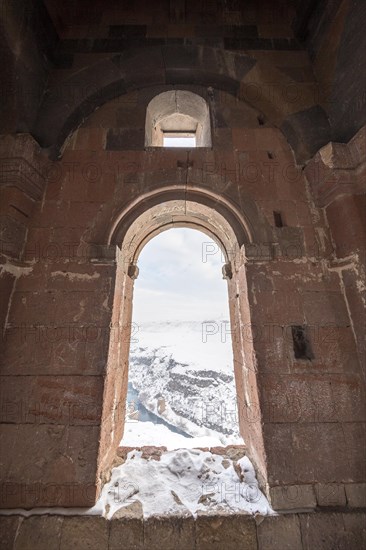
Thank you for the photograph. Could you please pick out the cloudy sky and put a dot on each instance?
(180, 278)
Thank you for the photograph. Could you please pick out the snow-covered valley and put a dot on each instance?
(182, 372)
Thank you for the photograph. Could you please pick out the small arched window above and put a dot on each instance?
(177, 119)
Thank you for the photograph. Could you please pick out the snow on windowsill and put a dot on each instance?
(183, 482)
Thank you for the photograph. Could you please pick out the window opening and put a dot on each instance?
(177, 115)
(179, 139)
(278, 219)
(301, 343)
(181, 386)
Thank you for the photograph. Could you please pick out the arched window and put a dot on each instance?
(177, 119)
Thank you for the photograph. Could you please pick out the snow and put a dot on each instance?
(138, 434)
(205, 344)
(192, 377)
(184, 481)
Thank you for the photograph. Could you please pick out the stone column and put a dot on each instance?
(337, 175)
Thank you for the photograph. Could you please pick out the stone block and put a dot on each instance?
(33, 308)
(330, 494)
(222, 138)
(307, 131)
(305, 443)
(244, 139)
(325, 530)
(278, 307)
(296, 398)
(334, 350)
(7, 281)
(8, 528)
(15, 202)
(143, 65)
(325, 308)
(356, 495)
(126, 532)
(13, 235)
(282, 532)
(215, 532)
(170, 533)
(84, 533)
(125, 139)
(354, 442)
(355, 526)
(39, 532)
(57, 467)
(89, 139)
(292, 497)
(42, 400)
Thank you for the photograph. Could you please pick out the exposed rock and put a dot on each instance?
(133, 510)
(151, 452)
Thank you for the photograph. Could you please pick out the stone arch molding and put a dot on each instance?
(139, 222)
(67, 104)
(179, 213)
(193, 204)
(175, 213)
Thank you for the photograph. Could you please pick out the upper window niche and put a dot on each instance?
(177, 119)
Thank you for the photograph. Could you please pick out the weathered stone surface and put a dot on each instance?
(125, 140)
(85, 533)
(307, 131)
(174, 532)
(41, 532)
(132, 511)
(230, 532)
(327, 530)
(234, 452)
(127, 532)
(122, 452)
(280, 532)
(292, 497)
(151, 452)
(8, 528)
(330, 494)
(356, 495)
(354, 524)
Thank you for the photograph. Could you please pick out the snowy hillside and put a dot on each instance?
(188, 383)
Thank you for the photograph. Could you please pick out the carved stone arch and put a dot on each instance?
(140, 221)
(208, 189)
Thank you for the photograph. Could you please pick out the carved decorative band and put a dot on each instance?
(18, 172)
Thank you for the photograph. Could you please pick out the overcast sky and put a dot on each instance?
(180, 278)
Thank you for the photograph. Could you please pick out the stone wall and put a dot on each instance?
(66, 294)
(333, 33)
(28, 41)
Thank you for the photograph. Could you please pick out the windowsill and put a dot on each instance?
(162, 148)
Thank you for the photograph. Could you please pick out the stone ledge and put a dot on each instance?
(292, 497)
(356, 495)
(234, 452)
(338, 169)
(305, 531)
